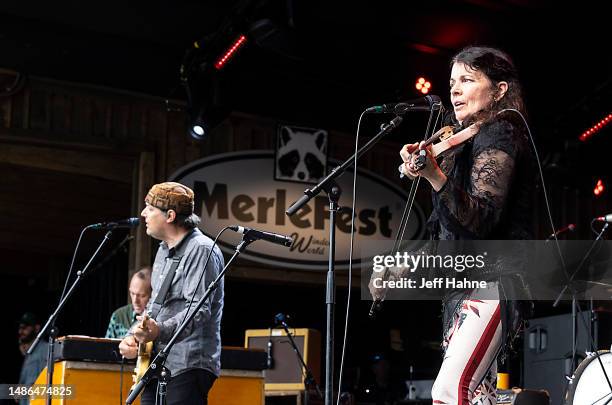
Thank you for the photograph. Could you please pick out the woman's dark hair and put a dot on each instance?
(498, 67)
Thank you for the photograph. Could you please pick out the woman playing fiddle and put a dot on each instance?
(482, 190)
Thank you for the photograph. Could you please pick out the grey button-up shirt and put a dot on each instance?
(199, 346)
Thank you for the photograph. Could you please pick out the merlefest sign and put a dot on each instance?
(239, 189)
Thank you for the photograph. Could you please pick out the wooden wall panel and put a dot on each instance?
(81, 123)
(6, 105)
(44, 211)
(175, 144)
(108, 166)
(87, 144)
(99, 118)
(61, 113)
(19, 109)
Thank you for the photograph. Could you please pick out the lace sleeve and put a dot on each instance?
(473, 211)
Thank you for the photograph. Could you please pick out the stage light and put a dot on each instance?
(599, 188)
(198, 129)
(595, 128)
(202, 121)
(423, 85)
(230, 52)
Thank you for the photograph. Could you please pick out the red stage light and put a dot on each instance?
(595, 128)
(423, 85)
(599, 188)
(230, 52)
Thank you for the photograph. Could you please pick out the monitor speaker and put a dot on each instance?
(547, 349)
(286, 372)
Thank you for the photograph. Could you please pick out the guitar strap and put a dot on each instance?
(163, 291)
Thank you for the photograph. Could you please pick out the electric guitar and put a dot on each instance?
(145, 351)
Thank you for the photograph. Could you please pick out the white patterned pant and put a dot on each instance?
(469, 369)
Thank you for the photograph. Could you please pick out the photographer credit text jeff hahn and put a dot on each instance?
(412, 263)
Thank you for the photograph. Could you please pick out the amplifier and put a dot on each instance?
(239, 358)
(286, 373)
(85, 348)
(102, 350)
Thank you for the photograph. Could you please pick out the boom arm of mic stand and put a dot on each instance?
(158, 361)
(586, 255)
(312, 192)
(575, 303)
(309, 376)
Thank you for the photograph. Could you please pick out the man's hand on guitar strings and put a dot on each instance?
(147, 331)
(128, 347)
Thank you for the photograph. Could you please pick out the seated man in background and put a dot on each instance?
(28, 329)
(140, 292)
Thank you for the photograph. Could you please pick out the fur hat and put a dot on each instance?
(171, 196)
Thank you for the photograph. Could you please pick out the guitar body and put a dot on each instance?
(145, 351)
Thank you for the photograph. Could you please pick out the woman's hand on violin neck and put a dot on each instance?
(407, 155)
(431, 171)
(407, 151)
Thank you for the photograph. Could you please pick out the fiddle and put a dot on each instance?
(446, 140)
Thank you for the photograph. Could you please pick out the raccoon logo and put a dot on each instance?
(301, 154)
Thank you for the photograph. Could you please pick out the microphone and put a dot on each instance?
(427, 103)
(605, 218)
(269, 236)
(281, 319)
(124, 223)
(568, 228)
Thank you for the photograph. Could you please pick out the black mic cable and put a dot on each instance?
(70, 269)
(377, 303)
(76, 249)
(562, 260)
(351, 247)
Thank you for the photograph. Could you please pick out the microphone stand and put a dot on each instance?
(50, 325)
(157, 368)
(575, 306)
(309, 380)
(586, 256)
(329, 185)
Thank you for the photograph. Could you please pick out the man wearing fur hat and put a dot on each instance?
(194, 361)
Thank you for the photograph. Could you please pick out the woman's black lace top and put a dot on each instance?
(491, 181)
